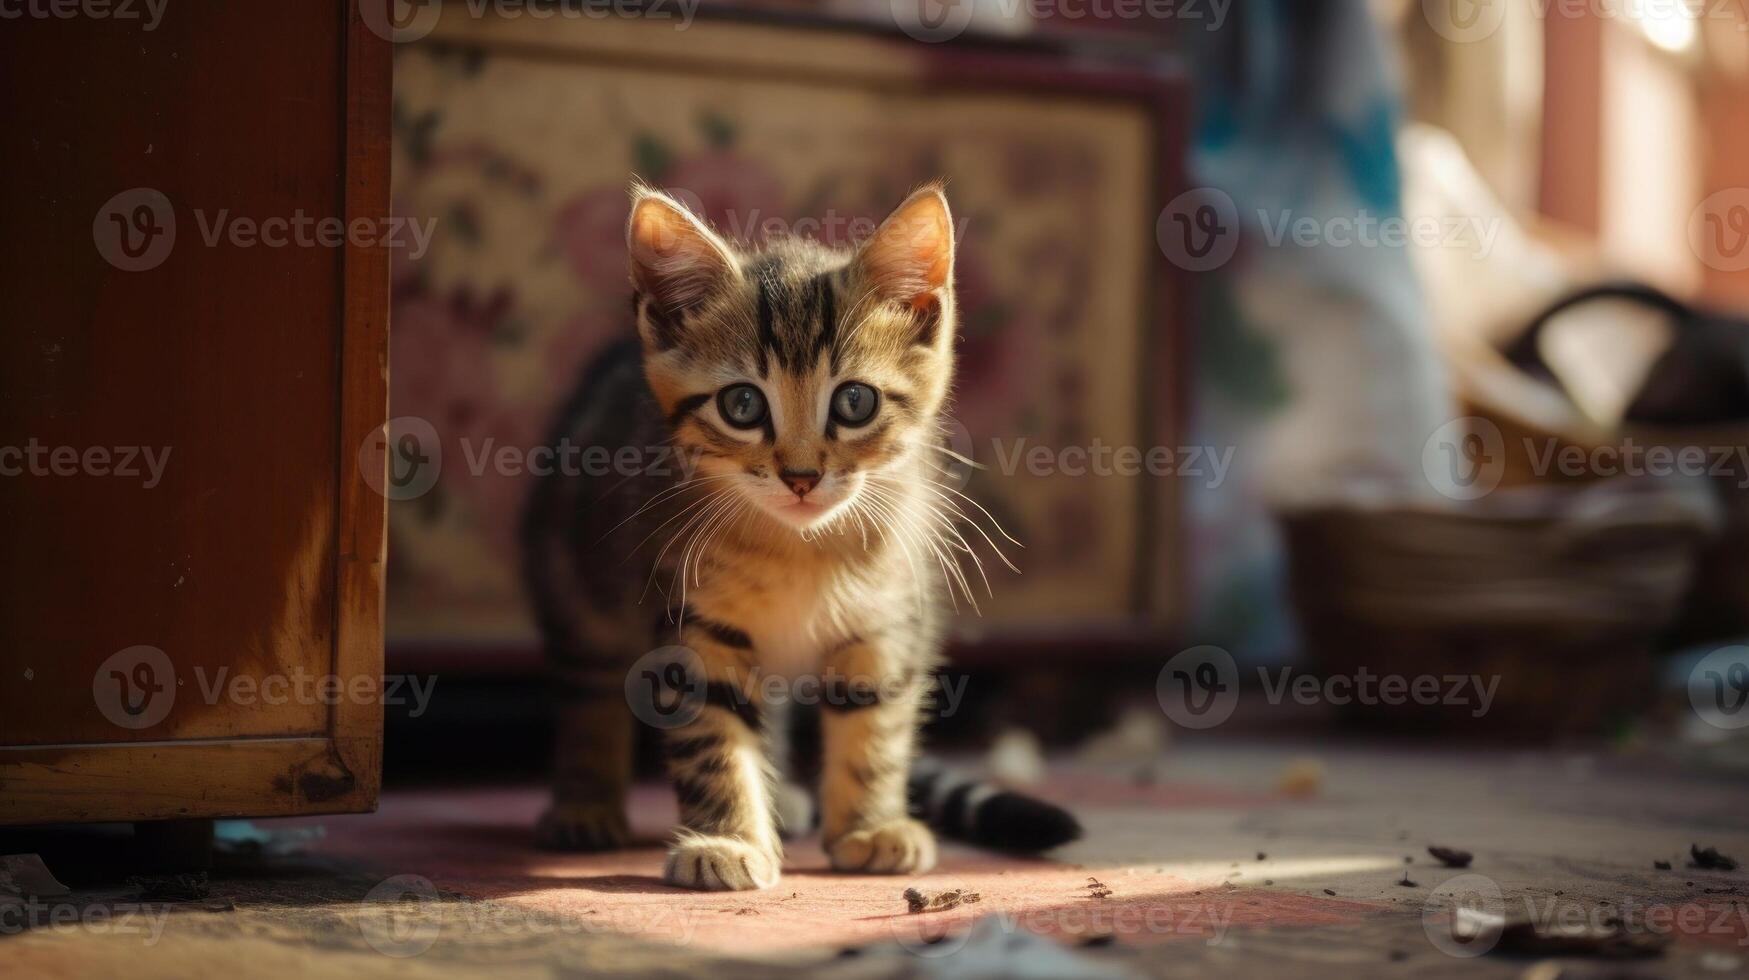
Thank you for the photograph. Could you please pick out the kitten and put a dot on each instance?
(802, 387)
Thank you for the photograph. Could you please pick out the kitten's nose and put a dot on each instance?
(800, 481)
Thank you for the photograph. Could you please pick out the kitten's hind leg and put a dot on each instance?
(592, 764)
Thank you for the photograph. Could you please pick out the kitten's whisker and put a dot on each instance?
(993, 521)
(959, 542)
(944, 500)
(686, 553)
(937, 488)
(886, 526)
(712, 500)
(954, 573)
(974, 464)
(702, 501)
(927, 537)
(665, 494)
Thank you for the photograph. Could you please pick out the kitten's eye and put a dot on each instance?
(743, 406)
(854, 403)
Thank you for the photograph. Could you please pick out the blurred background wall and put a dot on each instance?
(1569, 143)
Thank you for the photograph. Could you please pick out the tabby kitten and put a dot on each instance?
(795, 530)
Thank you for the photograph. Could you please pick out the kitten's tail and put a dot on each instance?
(963, 807)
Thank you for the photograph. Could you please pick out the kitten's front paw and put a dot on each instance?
(720, 864)
(583, 827)
(899, 848)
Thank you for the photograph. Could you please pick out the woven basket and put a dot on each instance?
(1560, 594)
(1531, 412)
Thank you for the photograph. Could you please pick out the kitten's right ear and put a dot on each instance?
(676, 262)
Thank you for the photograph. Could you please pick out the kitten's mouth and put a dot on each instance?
(802, 514)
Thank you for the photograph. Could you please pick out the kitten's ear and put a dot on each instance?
(909, 259)
(676, 261)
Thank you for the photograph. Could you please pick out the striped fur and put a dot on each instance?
(844, 579)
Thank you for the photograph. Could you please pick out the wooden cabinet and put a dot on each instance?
(194, 259)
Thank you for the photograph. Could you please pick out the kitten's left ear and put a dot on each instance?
(909, 259)
(676, 261)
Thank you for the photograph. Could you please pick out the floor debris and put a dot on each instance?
(1710, 859)
(1451, 857)
(1301, 779)
(919, 902)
